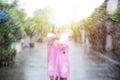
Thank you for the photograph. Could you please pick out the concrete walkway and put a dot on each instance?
(31, 64)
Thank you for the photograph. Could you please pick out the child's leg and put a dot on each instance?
(63, 78)
(56, 78)
(52, 78)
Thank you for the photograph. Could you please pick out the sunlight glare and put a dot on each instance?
(64, 11)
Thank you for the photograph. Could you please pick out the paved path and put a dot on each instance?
(32, 65)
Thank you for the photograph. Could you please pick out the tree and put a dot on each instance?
(116, 17)
(10, 31)
(96, 28)
(39, 24)
(75, 27)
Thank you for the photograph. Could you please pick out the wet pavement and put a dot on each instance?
(31, 64)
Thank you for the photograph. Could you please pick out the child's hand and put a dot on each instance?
(59, 44)
(55, 38)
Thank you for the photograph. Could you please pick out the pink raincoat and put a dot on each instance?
(63, 65)
(51, 54)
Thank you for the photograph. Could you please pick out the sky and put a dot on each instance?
(112, 6)
(64, 11)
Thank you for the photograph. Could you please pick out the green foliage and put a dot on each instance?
(39, 24)
(116, 15)
(7, 51)
(95, 27)
(98, 17)
(75, 27)
(10, 31)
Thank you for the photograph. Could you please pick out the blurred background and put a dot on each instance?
(93, 27)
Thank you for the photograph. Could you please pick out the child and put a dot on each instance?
(58, 57)
(63, 65)
(51, 38)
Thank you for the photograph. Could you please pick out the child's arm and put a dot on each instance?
(55, 37)
(49, 37)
